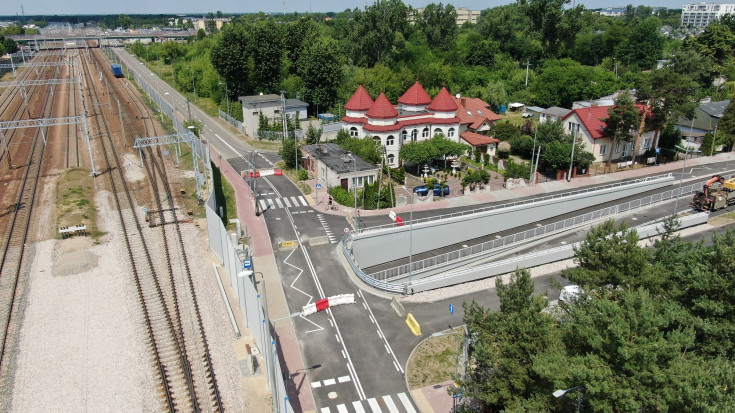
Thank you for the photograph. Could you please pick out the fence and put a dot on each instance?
(278, 136)
(382, 279)
(510, 204)
(232, 121)
(249, 300)
(481, 250)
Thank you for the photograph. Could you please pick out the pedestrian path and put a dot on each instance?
(396, 403)
(281, 202)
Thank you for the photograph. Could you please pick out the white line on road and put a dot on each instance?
(358, 407)
(329, 382)
(343, 379)
(406, 403)
(374, 406)
(390, 405)
(316, 384)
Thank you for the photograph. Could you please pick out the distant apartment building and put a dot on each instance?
(612, 11)
(463, 15)
(699, 15)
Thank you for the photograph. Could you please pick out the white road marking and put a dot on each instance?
(303, 201)
(343, 379)
(390, 405)
(341, 408)
(316, 384)
(270, 202)
(337, 337)
(263, 207)
(329, 382)
(278, 201)
(406, 403)
(325, 410)
(288, 204)
(374, 406)
(395, 359)
(295, 201)
(358, 407)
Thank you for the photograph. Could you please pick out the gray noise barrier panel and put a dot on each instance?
(384, 245)
(533, 259)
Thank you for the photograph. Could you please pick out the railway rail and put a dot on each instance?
(167, 295)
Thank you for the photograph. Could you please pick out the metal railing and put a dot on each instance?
(511, 204)
(232, 121)
(479, 250)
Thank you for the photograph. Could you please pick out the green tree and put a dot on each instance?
(500, 373)
(716, 41)
(320, 67)
(171, 51)
(504, 131)
(288, 152)
(9, 45)
(299, 35)
(231, 59)
(623, 119)
(644, 45)
(669, 140)
(438, 22)
(561, 82)
(313, 135)
(376, 29)
(726, 127)
(609, 257)
(266, 55)
(367, 149)
(418, 153)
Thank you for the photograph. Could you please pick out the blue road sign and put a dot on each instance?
(318, 186)
(247, 264)
(451, 309)
(658, 150)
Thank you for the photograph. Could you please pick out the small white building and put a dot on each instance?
(330, 164)
(270, 107)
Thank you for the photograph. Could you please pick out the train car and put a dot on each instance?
(117, 70)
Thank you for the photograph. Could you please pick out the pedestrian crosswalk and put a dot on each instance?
(284, 202)
(325, 225)
(383, 404)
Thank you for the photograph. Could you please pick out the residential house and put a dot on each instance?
(332, 167)
(705, 121)
(270, 107)
(589, 127)
(417, 117)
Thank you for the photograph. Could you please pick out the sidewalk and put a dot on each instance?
(538, 190)
(264, 262)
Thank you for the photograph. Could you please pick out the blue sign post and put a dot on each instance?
(451, 309)
(247, 264)
(318, 186)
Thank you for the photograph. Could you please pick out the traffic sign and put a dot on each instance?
(145, 209)
(658, 150)
(318, 186)
(451, 309)
(392, 215)
(247, 264)
(347, 230)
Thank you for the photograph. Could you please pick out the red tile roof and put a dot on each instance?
(593, 118)
(475, 139)
(350, 119)
(478, 109)
(443, 102)
(360, 101)
(382, 109)
(415, 96)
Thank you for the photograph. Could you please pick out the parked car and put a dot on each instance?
(422, 190)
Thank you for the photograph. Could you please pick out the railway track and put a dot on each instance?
(12, 263)
(166, 293)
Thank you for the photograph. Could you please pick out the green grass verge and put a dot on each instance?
(224, 193)
(433, 362)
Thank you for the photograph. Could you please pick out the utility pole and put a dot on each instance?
(527, 63)
(284, 123)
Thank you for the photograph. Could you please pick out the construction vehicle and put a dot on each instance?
(715, 194)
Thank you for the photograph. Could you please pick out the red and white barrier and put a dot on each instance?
(258, 174)
(328, 302)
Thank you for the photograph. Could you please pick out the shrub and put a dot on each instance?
(303, 174)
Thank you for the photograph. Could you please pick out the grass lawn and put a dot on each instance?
(75, 201)
(434, 361)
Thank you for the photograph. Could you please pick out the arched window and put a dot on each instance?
(391, 159)
(404, 135)
(414, 135)
(425, 133)
(353, 131)
(377, 140)
(450, 133)
(437, 131)
(390, 140)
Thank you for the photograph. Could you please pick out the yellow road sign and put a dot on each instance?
(413, 325)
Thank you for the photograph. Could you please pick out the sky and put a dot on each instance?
(198, 7)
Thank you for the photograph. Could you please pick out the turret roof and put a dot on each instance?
(360, 101)
(415, 96)
(382, 109)
(443, 102)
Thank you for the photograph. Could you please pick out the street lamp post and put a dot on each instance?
(681, 178)
(560, 393)
(571, 163)
(227, 96)
(354, 185)
(535, 133)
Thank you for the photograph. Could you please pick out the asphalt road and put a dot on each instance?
(362, 349)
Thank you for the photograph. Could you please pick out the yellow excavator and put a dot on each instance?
(715, 194)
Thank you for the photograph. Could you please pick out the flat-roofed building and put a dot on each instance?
(699, 15)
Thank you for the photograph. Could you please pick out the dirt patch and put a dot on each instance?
(722, 220)
(74, 256)
(74, 200)
(433, 361)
